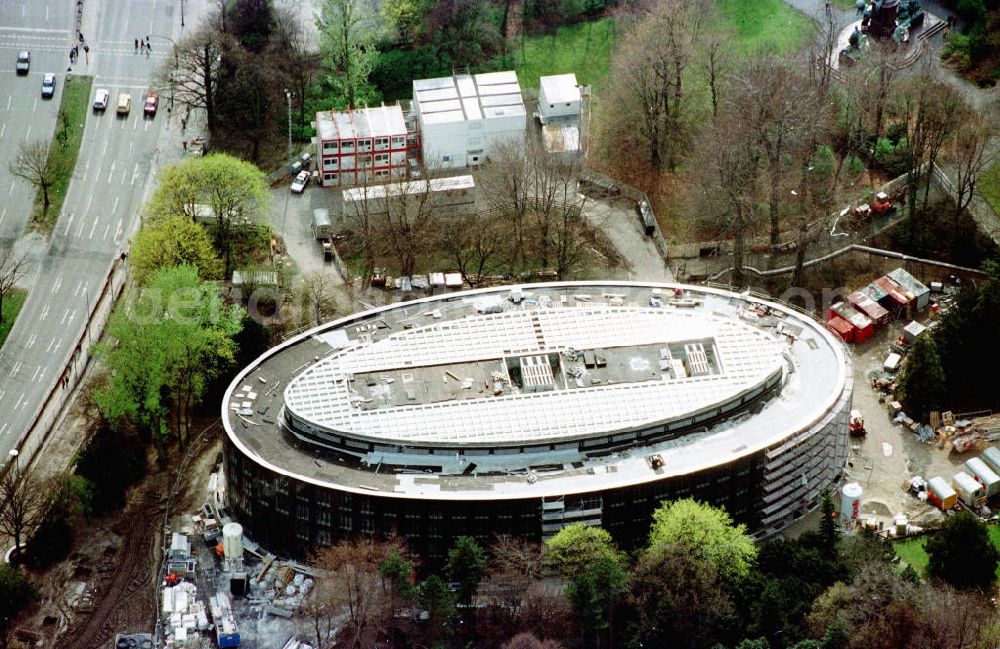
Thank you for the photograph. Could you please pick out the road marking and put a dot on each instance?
(56, 284)
(39, 369)
(48, 348)
(3, 216)
(107, 229)
(105, 149)
(3, 429)
(11, 188)
(16, 367)
(79, 233)
(135, 173)
(89, 201)
(111, 171)
(2, 392)
(9, 99)
(45, 312)
(118, 230)
(22, 401)
(146, 126)
(114, 208)
(72, 215)
(124, 175)
(46, 14)
(36, 31)
(91, 235)
(79, 284)
(4, 127)
(135, 125)
(31, 341)
(65, 315)
(28, 134)
(16, 405)
(129, 148)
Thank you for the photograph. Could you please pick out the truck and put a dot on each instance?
(857, 425)
(322, 230)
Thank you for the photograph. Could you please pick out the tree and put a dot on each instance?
(230, 191)
(439, 602)
(962, 554)
(16, 593)
(173, 241)
(467, 563)
(515, 566)
(594, 593)
(922, 382)
(251, 22)
(577, 546)
(34, 164)
(680, 598)
(404, 17)
(474, 242)
(195, 78)
(319, 295)
(464, 31)
(298, 63)
(22, 501)
(13, 267)
(828, 531)
(971, 155)
(708, 531)
(346, 42)
(529, 641)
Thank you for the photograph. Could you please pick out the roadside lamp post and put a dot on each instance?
(182, 13)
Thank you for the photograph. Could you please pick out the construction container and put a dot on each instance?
(893, 298)
(984, 475)
(841, 328)
(850, 501)
(863, 326)
(868, 306)
(232, 540)
(941, 494)
(912, 330)
(969, 491)
(991, 457)
(914, 287)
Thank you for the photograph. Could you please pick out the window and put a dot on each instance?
(365, 144)
(329, 177)
(323, 537)
(381, 158)
(347, 145)
(445, 158)
(364, 160)
(381, 173)
(398, 141)
(381, 142)
(330, 146)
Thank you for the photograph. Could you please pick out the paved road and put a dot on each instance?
(45, 29)
(99, 214)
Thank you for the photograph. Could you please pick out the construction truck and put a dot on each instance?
(857, 424)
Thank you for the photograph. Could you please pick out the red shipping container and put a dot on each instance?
(866, 305)
(863, 327)
(841, 327)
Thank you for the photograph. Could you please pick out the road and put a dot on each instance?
(114, 166)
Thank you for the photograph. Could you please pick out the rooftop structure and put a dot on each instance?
(558, 98)
(539, 405)
(464, 116)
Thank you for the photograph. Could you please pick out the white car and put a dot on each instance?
(300, 182)
(101, 99)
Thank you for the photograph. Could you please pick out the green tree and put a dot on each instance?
(828, 531)
(594, 592)
(962, 554)
(467, 563)
(171, 340)
(576, 547)
(922, 382)
(173, 241)
(404, 17)
(439, 602)
(708, 530)
(16, 593)
(229, 190)
(397, 574)
(346, 41)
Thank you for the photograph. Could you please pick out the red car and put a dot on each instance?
(152, 102)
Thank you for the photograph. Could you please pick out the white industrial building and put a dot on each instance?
(464, 117)
(558, 98)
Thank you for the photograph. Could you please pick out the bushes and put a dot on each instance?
(894, 159)
(110, 462)
(50, 543)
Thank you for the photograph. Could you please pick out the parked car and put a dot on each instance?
(152, 102)
(101, 99)
(300, 182)
(23, 62)
(48, 85)
(124, 104)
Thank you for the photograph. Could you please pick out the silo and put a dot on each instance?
(232, 541)
(850, 501)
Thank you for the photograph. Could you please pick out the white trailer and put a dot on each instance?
(984, 475)
(970, 492)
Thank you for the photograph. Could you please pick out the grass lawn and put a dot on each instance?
(912, 551)
(65, 146)
(12, 303)
(584, 48)
(989, 186)
(770, 25)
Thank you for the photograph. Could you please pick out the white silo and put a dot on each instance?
(850, 501)
(232, 541)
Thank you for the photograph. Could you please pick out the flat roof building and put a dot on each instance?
(462, 118)
(558, 97)
(361, 146)
(528, 408)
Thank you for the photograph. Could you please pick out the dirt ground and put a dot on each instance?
(108, 583)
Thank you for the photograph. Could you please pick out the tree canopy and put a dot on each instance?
(922, 382)
(577, 546)
(467, 565)
(962, 554)
(708, 531)
(173, 241)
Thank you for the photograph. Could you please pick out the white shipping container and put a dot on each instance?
(991, 457)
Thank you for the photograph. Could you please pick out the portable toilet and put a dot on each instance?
(984, 475)
(941, 494)
(991, 457)
(969, 491)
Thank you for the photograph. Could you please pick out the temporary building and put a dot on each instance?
(864, 303)
(984, 475)
(893, 298)
(941, 494)
(841, 327)
(912, 330)
(921, 294)
(991, 457)
(863, 327)
(969, 491)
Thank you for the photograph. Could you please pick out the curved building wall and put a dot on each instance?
(292, 495)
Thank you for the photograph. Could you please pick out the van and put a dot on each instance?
(124, 104)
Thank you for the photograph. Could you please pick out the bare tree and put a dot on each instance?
(34, 164)
(22, 501)
(195, 79)
(716, 59)
(12, 269)
(298, 62)
(971, 155)
(319, 614)
(320, 296)
(516, 564)
(506, 186)
(474, 242)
